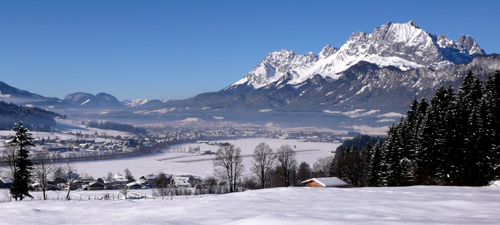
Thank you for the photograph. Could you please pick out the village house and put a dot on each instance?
(96, 186)
(325, 182)
(137, 185)
(181, 182)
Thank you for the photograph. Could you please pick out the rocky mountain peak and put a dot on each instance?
(467, 44)
(327, 51)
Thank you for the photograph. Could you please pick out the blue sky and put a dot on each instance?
(177, 49)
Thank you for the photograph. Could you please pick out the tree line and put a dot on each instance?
(34, 117)
(118, 126)
(451, 140)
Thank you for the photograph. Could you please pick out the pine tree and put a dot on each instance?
(432, 139)
(492, 96)
(366, 156)
(22, 164)
(397, 156)
(374, 179)
(479, 147)
(390, 158)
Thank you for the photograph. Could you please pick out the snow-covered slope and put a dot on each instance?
(402, 45)
(381, 205)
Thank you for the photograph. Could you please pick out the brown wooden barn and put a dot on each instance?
(325, 182)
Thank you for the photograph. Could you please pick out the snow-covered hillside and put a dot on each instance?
(394, 205)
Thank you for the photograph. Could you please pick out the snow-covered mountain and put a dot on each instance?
(401, 45)
(86, 100)
(383, 70)
(145, 103)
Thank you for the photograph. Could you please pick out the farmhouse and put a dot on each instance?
(325, 182)
(5, 183)
(96, 186)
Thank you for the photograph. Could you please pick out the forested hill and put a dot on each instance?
(118, 126)
(32, 117)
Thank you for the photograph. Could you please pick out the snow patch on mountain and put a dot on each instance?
(167, 100)
(85, 102)
(4, 96)
(135, 103)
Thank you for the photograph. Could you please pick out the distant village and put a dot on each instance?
(99, 145)
(102, 143)
(118, 182)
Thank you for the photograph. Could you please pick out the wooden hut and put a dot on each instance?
(325, 182)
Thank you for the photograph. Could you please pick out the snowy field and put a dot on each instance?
(200, 165)
(394, 205)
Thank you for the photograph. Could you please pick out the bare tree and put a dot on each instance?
(211, 183)
(322, 167)
(109, 177)
(263, 161)
(42, 171)
(71, 177)
(287, 162)
(124, 191)
(249, 183)
(129, 175)
(10, 156)
(228, 165)
(161, 183)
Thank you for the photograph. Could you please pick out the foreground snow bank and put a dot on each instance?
(397, 205)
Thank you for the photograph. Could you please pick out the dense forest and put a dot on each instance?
(118, 126)
(36, 119)
(452, 140)
(360, 140)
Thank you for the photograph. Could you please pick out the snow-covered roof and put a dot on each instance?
(95, 182)
(327, 181)
(120, 178)
(6, 180)
(182, 181)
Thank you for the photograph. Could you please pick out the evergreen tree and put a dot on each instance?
(340, 163)
(454, 140)
(355, 167)
(366, 156)
(423, 107)
(374, 169)
(386, 165)
(492, 97)
(432, 139)
(478, 164)
(22, 164)
(393, 155)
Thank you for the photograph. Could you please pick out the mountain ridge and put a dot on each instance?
(381, 70)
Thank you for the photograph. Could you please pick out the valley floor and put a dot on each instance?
(299, 205)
